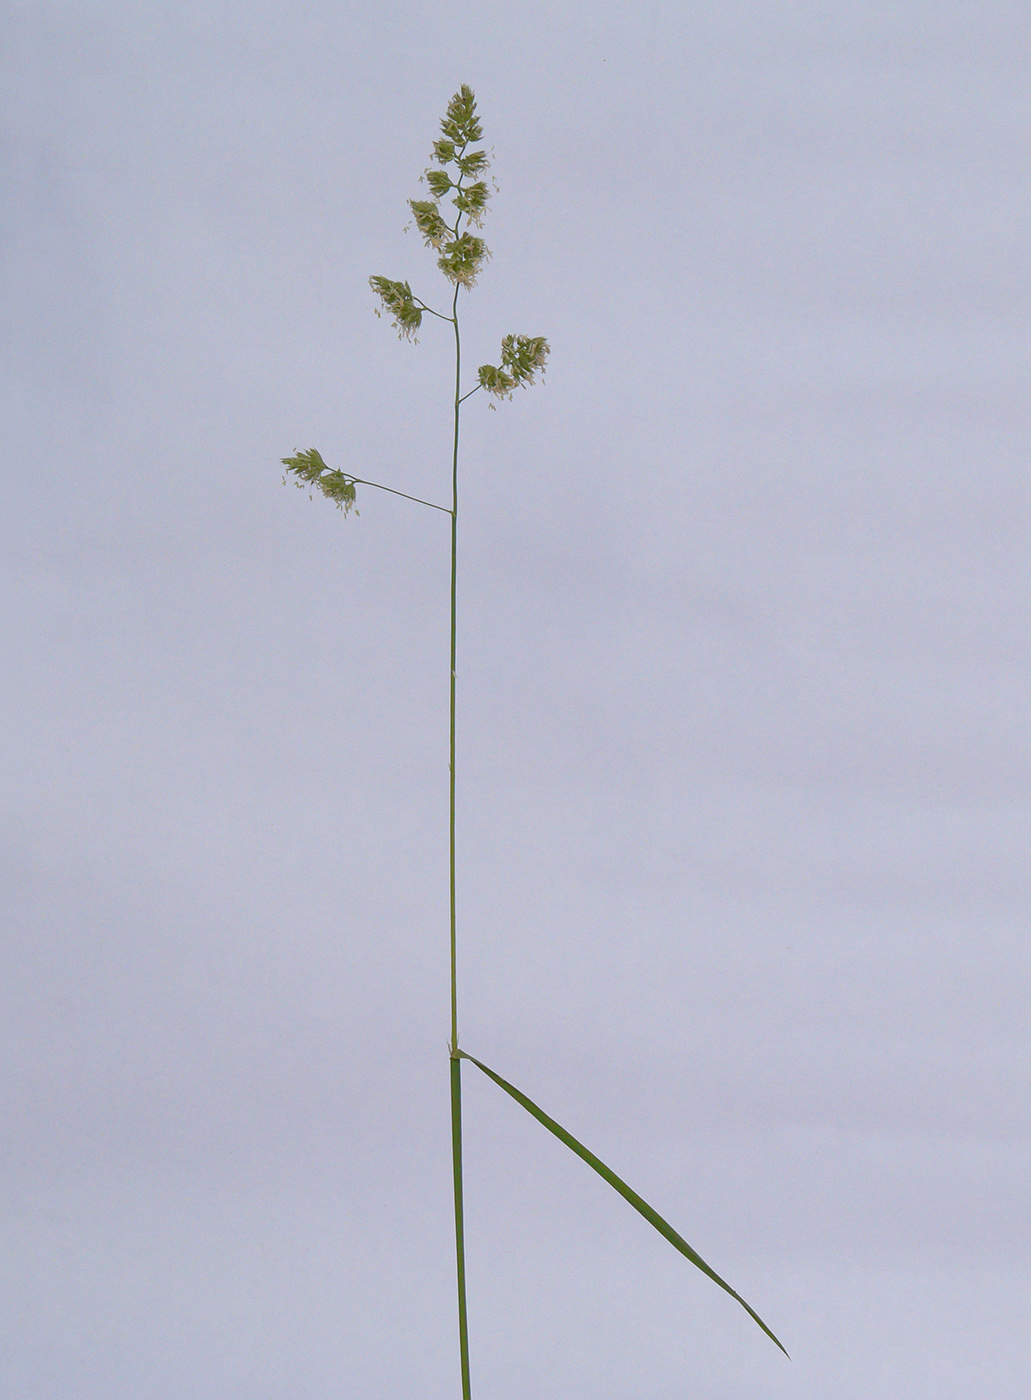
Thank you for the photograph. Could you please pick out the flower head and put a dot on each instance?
(522, 357)
(311, 470)
(398, 299)
(429, 222)
(462, 259)
(460, 125)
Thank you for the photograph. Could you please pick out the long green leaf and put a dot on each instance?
(617, 1183)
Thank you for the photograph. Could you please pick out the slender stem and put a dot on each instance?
(456, 1158)
(360, 481)
(430, 309)
(456, 1064)
(454, 654)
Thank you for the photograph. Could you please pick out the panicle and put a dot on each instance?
(460, 127)
(461, 254)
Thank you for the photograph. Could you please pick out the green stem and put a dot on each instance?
(424, 307)
(456, 1064)
(454, 653)
(456, 1157)
(360, 481)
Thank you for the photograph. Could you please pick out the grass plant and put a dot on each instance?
(457, 175)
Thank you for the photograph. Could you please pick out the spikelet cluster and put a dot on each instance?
(522, 358)
(310, 470)
(461, 165)
(460, 176)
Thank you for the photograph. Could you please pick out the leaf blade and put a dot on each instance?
(627, 1192)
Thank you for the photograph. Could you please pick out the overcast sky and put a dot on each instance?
(744, 682)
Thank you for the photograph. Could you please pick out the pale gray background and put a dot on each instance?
(744, 676)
